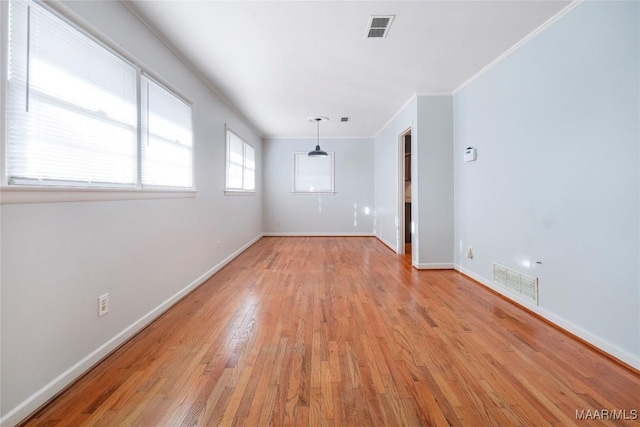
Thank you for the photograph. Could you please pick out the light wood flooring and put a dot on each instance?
(341, 331)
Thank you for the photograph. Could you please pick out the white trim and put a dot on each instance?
(387, 243)
(415, 193)
(4, 54)
(72, 18)
(435, 93)
(400, 243)
(149, 76)
(602, 344)
(401, 172)
(405, 105)
(314, 192)
(433, 266)
(4, 5)
(322, 234)
(519, 44)
(33, 402)
(195, 70)
(23, 194)
(239, 193)
(310, 138)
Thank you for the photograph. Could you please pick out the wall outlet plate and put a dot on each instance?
(103, 304)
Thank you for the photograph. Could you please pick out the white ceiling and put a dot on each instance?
(279, 62)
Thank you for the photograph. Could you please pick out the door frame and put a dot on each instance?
(400, 229)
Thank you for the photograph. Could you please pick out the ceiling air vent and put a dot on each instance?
(379, 26)
(344, 119)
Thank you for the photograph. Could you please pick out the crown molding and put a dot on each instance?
(522, 42)
(195, 70)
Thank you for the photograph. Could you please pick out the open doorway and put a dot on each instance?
(404, 179)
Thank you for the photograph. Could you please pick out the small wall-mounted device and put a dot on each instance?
(470, 154)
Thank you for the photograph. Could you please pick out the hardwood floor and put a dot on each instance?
(341, 331)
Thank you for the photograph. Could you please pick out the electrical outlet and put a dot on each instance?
(103, 304)
(470, 253)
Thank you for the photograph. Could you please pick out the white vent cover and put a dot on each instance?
(379, 26)
(517, 282)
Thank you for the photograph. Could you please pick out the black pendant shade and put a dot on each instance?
(318, 151)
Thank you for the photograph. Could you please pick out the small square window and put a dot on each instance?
(313, 174)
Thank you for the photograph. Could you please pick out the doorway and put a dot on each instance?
(404, 178)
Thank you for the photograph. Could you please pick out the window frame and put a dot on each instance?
(20, 193)
(237, 191)
(295, 169)
(153, 80)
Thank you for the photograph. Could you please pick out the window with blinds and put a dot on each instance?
(73, 113)
(313, 174)
(166, 137)
(241, 168)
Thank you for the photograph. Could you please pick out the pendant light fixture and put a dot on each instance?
(317, 151)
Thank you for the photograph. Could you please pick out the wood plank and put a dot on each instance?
(302, 331)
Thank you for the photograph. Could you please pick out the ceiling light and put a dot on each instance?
(318, 151)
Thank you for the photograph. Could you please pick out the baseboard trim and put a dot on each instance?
(432, 266)
(328, 234)
(618, 355)
(50, 391)
(387, 243)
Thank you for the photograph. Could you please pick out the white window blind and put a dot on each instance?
(74, 107)
(167, 159)
(313, 174)
(249, 183)
(241, 168)
(235, 154)
(71, 105)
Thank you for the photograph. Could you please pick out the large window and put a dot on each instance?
(166, 137)
(241, 164)
(313, 174)
(73, 115)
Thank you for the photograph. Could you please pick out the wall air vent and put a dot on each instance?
(517, 282)
(379, 26)
(344, 119)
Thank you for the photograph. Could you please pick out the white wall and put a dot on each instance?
(557, 180)
(431, 121)
(286, 213)
(57, 258)
(434, 174)
(387, 174)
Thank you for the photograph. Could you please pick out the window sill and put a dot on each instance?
(239, 193)
(314, 192)
(17, 195)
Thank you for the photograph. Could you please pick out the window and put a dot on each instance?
(241, 165)
(73, 112)
(313, 174)
(166, 137)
